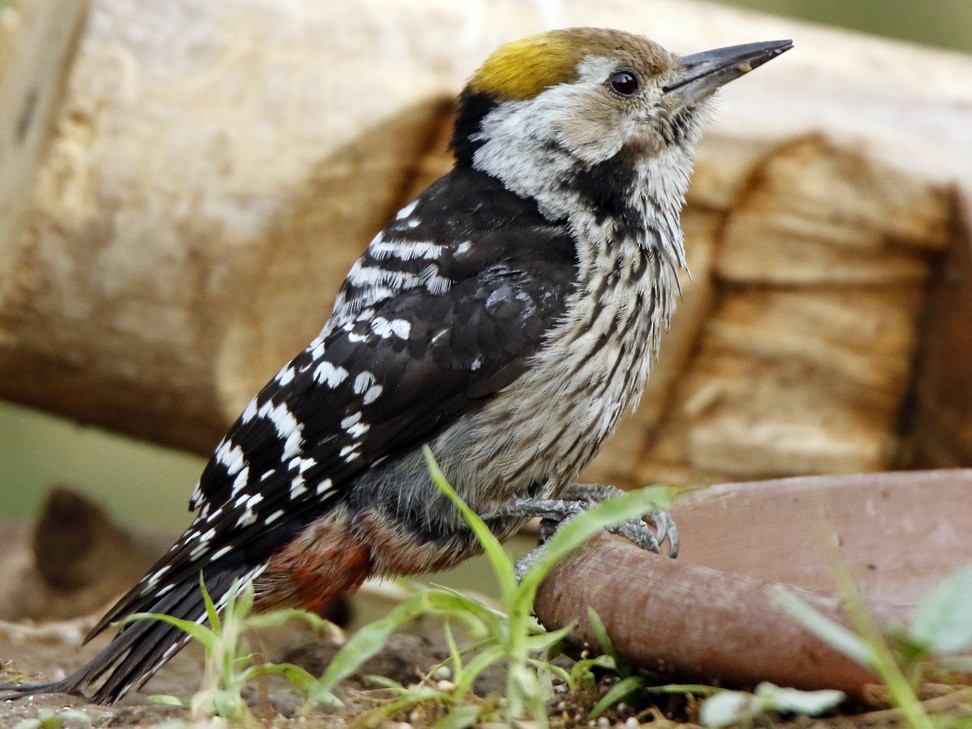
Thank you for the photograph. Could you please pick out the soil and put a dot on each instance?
(50, 595)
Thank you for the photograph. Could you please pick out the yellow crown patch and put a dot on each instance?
(523, 68)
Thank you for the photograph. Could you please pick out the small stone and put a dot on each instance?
(632, 723)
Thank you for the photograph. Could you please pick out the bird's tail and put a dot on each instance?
(140, 649)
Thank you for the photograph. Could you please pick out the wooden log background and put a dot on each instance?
(215, 167)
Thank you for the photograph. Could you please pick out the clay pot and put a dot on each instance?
(711, 614)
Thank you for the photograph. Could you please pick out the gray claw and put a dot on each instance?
(637, 532)
(577, 498)
(665, 528)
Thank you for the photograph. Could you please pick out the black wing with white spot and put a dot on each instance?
(429, 325)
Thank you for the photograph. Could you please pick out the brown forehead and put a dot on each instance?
(523, 68)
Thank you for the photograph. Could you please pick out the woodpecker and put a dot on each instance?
(506, 317)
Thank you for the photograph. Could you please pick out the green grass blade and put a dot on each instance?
(279, 618)
(244, 597)
(697, 689)
(541, 641)
(369, 640)
(211, 611)
(582, 675)
(198, 632)
(469, 611)
(618, 692)
(601, 634)
(503, 567)
(582, 527)
(166, 700)
(942, 622)
(550, 668)
(795, 701)
(727, 707)
(459, 718)
(833, 634)
(479, 663)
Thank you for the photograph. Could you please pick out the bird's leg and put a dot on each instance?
(634, 530)
(578, 498)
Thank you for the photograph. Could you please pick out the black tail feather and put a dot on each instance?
(140, 648)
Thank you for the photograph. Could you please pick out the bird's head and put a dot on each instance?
(586, 95)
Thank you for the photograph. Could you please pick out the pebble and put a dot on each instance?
(442, 673)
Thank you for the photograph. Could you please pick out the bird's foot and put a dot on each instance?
(578, 498)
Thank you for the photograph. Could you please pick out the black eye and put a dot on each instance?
(624, 83)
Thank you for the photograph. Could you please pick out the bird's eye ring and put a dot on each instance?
(624, 82)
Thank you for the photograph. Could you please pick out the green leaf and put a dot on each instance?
(299, 677)
(279, 618)
(618, 692)
(581, 675)
(198, 632)
(369, 640)
(943, 620)
(459, 718)
(503, 567)
(383, 682)
(480, 662)
(540, 642)
(699, 689)
(601, 634)
(211, 611)
(467, 610)
(167, 700)
(795, 701)
(418, 694)
(725, 708)
(243, 597)
(551, 668)
(833, 634)
(582, 527)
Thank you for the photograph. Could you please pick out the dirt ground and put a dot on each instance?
(58, 576)
(49, 653)
(43, 655)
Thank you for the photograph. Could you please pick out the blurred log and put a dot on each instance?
(217, 167)
(75, 561)
(940, 417)
(37, 42)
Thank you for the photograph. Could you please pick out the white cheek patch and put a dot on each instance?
(590, 123)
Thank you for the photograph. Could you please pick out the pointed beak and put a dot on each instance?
(702, 73)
